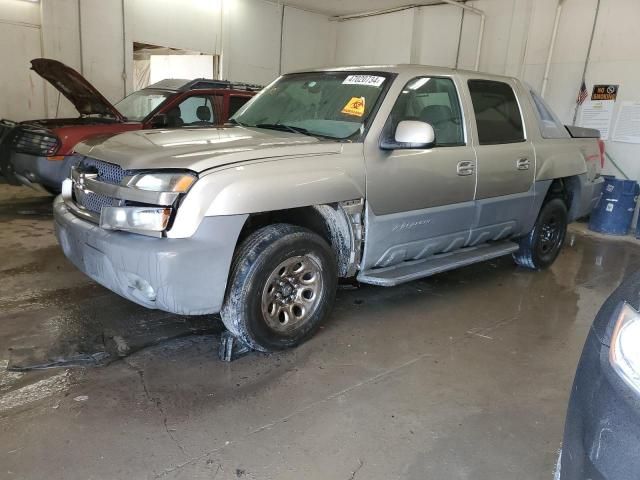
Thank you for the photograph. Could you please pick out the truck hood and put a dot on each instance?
(84, 96)
(202, 148)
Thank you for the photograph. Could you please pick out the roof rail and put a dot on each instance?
(205, 83)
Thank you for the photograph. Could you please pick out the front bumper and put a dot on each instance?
(186, 276)
(32, 170)
(602, 429)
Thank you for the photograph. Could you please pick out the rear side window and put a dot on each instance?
(497, 112)
(550, 124)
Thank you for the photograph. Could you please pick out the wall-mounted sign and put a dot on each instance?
(604, 93)
(628, 123)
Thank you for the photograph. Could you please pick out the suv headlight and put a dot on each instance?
(624, 354)
(163, 181)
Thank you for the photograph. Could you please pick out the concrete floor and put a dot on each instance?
(464, 375)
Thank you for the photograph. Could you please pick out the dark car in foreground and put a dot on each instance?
(39, 153)
(602, 430)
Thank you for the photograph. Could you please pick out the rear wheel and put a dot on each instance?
(541, 246)
(281, 287)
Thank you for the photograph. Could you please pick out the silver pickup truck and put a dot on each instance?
(383, 174)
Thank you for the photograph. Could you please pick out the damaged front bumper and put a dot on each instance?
(186, 276)
(36, 171)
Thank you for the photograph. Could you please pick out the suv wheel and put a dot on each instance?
(281, 287)
(541, 246)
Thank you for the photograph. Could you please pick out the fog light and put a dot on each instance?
(151, 219)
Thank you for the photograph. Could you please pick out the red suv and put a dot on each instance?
(39, 153)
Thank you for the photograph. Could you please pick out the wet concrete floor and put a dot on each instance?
(464, 375)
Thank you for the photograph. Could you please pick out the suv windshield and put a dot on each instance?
(139, 104)
(327, 104)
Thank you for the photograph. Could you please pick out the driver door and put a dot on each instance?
(420, 202)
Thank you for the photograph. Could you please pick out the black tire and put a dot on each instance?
(248, 301)
(541, 246)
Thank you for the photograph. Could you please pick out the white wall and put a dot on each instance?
(97, 40)
(308, 40)
(375, 40)
(251, 40)
(22, 90)
(61, 40)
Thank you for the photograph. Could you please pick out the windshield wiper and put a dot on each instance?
(233, 121)
(285, 128)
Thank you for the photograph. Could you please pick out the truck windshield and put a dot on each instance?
(139, 104)
(326, 104)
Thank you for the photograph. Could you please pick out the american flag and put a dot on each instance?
(582, 94)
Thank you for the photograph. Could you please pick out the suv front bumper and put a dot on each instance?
(602, 429)
(186, 276)
(33, 170)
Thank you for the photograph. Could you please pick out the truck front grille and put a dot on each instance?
(35, 142)
(94, 201)
(107, 173)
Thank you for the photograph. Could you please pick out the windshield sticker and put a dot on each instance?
(367, 80)
(354, 107)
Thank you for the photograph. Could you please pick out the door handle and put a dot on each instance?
(465, 168)
(523, 164)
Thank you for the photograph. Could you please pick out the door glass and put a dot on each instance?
(194, 111)
(434, 101)
(497, 112)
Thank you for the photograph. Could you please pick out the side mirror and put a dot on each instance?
(160, 121)
(411, 134)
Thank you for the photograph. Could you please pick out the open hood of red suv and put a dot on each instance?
(83, 95)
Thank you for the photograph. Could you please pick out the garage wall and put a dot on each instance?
(22, 91)
(308, 40)
(375, 40)
(96, 36)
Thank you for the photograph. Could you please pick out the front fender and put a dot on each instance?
(272, 185)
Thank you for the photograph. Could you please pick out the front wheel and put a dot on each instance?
(541, 246)
(281, 287)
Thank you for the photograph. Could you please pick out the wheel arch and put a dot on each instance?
(572, 192)
(340, 224)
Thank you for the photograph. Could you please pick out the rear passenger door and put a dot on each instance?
(505, 162)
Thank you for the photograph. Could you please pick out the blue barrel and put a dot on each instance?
(614, 211)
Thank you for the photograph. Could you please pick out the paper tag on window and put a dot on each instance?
(367, 80)
(355, 107)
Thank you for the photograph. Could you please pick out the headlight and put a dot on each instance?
(152, 219)
(624, 354)
(163, 182)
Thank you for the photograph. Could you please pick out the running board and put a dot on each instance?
(412, 270)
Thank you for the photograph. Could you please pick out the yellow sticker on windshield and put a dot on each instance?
(355, 107)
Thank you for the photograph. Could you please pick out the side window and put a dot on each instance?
(435, 101)
(194, 111)
(235, 102)
(497, 112)
(550, 125)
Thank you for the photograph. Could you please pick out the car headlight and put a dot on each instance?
(163, 181)
(149, 219)
(624, 354)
